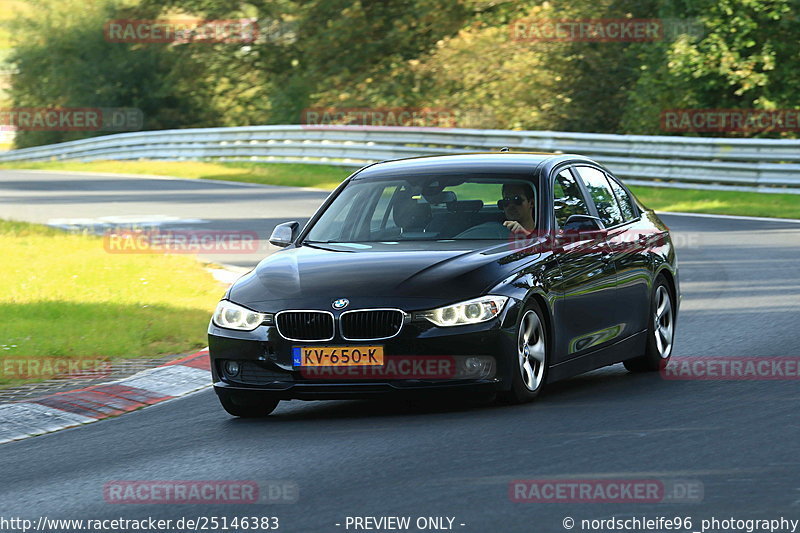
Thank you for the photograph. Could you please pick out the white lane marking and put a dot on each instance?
(227, 276)
(123, 220)
(175, 380)
(611, 475)
(731, 217)
(59, 414)
(169, 178)
(20, 420)
(265, 186)
(8, 435)
(23, 419)
(135, 176)
(151, 219)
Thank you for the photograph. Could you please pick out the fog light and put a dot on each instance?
(231, 368)
(472, 364)
(477, 367)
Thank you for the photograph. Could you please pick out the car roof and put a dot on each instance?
(506, 163)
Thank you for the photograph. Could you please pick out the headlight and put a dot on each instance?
(469, 312)
(232, 316)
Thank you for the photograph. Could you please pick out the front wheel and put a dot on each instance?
(660, 331)
(531, 358)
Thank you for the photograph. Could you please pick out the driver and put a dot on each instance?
(517, 205)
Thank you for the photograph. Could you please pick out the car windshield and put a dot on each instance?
(427, 208)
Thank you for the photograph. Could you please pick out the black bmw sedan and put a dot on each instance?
(480, 274)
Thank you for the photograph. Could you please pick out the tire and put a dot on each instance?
(660, 331)
(247, 407)
(531, 357)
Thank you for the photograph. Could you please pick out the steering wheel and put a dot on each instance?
(487, 230)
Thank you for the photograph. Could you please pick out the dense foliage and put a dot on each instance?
(458, 55)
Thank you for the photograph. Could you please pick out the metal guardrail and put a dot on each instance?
(764, 165)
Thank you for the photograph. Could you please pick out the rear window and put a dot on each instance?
(602, 195)
(624, 199)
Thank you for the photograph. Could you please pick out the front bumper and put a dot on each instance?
(266, 367)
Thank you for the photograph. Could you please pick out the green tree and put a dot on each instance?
(61, 58)
(746, 58)
(331, 47)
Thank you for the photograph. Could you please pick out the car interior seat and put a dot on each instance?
(412, 216)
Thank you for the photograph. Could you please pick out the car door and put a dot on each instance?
(588, 276)
(631, 243)
(630, 264)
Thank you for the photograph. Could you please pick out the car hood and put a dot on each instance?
(376, 274)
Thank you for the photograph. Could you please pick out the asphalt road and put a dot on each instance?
(741, 297)
(99, 202)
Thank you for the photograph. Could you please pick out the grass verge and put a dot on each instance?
(65, 297)
(295, 175)
(327, 177)
(752, 204)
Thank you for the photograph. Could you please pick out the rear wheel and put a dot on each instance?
(660, 331)
(531, 358)
(245, 406)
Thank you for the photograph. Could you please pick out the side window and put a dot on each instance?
(602, 195)
(624, 199)
(567, 198)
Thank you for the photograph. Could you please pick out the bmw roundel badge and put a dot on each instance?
(341, 303)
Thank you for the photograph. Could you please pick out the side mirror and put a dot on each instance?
(284, 234)
(582, 224)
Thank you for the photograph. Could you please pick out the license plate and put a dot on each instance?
(337, 355)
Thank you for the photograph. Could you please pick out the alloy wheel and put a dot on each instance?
(531, 350)
(663, 324)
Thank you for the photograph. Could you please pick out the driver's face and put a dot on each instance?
(517, 204)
